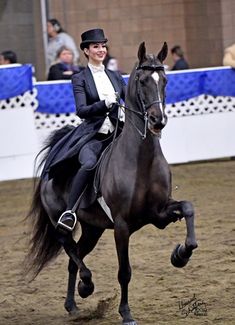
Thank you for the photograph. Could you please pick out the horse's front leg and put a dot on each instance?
(181, 254)
(121, 234)
(176, 210)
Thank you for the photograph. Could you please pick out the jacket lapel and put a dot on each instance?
(113, 80)
(91, 83)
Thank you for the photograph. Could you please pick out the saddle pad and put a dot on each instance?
(105, 207)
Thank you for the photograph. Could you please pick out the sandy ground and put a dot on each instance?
(201, 293)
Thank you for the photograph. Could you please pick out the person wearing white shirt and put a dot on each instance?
(97, 92)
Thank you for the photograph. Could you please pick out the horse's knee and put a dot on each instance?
(90, 163)
(187, 209)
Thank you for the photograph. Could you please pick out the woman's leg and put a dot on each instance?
(88, 157)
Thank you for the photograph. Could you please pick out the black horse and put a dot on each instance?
(135, 182)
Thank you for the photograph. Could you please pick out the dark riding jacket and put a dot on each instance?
(90, 108)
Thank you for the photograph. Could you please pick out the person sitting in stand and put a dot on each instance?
(178, 57)
(97, 92)
(8, 57)
(65, 67)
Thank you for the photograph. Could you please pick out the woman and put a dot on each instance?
(57, 37)
(65, 67)
(95, 91)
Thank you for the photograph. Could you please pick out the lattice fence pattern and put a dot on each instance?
(195, 106)
(28, 99)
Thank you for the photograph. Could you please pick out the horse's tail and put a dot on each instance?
(44, 244)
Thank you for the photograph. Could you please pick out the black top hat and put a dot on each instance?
(92, 36)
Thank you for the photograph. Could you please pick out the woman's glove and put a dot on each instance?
(110, 100)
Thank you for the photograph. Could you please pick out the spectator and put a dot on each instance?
(229, 56)
(65, 67)
(178, 57)
(57, 38)
(8, 57)
(112, 64)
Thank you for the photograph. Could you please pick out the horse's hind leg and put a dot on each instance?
(88, 240)
(70, 304)
(121, 234)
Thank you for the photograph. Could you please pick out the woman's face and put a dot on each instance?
(96, 53)
(50, 30)
(66, 56)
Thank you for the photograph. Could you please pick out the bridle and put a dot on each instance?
(143, 113)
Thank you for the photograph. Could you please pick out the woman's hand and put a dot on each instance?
(110, 100)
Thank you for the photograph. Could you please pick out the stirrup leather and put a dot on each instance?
(63, 225)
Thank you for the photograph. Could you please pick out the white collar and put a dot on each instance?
(95, 69)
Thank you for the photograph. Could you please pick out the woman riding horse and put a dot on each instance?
(96, 92)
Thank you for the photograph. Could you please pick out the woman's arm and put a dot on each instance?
(83, 108)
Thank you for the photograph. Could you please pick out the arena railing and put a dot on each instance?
(200, 107)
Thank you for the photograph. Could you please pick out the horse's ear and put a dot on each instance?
(142, 53)
(163, 53)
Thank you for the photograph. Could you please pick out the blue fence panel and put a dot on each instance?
(15, 81)
(183, 85)
(55, 98)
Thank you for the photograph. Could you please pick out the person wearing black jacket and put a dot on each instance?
(64, 67)
(178, 57)
(96, 92)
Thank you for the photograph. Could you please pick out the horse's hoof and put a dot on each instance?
(177, 258)
(85, 290)
(133, 322)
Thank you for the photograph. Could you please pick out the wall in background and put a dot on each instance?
(202, 27)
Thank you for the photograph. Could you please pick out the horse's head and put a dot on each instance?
(148, 81)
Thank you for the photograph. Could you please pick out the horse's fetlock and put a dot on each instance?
(85, 275)
(70, 305)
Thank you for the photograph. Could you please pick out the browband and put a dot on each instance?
(152, 67)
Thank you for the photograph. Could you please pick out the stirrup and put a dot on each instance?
(63, 225)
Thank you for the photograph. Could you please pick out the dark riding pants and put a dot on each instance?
(88, 157)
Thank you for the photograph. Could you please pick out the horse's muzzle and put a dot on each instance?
(156, 123)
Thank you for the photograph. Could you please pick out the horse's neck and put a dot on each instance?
(141, 150)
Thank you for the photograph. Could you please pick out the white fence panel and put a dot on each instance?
(200, 137)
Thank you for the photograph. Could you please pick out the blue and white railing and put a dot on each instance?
(203, 100)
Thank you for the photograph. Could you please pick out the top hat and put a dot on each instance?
(92, 36)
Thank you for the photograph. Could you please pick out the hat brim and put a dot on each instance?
(84, 43)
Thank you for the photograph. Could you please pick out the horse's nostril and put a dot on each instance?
(153, 119)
